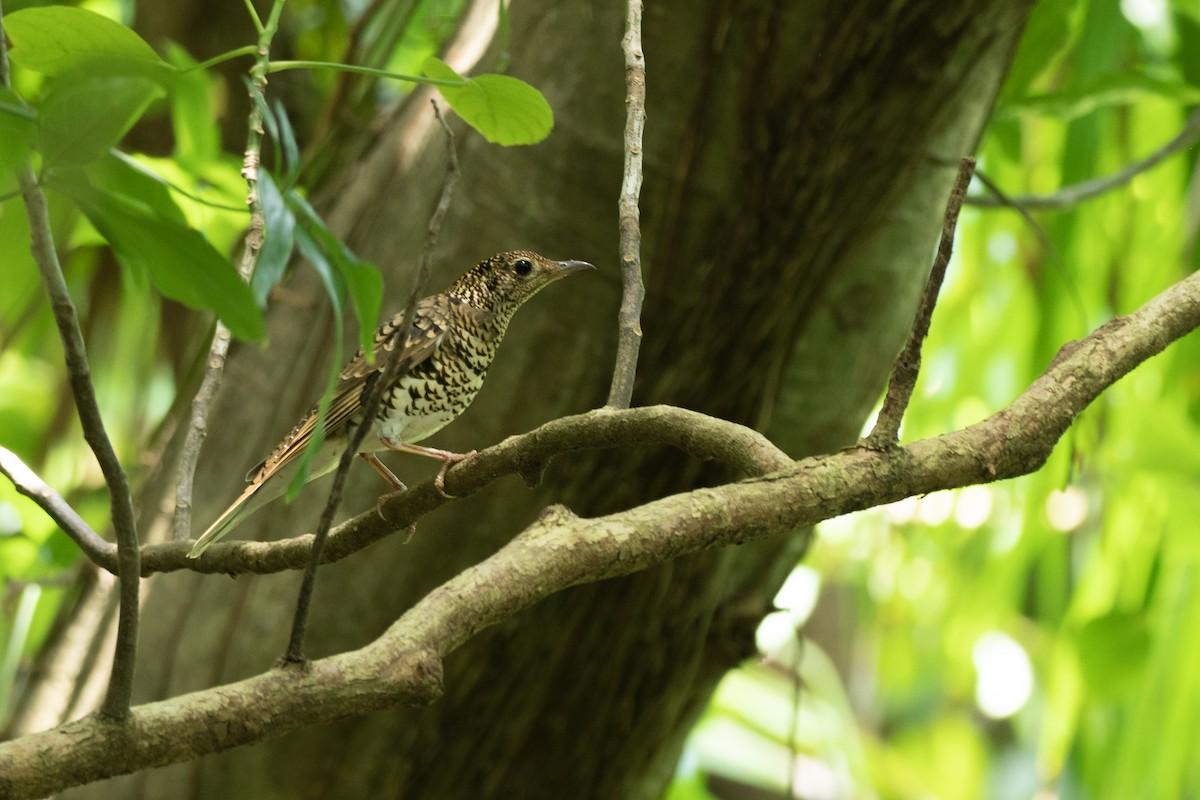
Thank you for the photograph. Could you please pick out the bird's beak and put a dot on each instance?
(568, 267)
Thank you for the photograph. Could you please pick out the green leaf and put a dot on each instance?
(56, 39)
(122, 174)
(361, 278)
(14, 243)
(86, 112)
(279, 238)
(1041, 45)
(193, 116)
(287, 144)
(505, 110)
(18, 129)
(366, 293)
(179, 260)
(335, 288)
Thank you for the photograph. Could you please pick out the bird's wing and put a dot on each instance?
(429, 331)
(432, 320)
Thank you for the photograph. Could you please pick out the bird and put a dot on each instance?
(444, 359)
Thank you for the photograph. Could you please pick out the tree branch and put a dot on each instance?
(181, 522)
(908, 364)
(629, 319)
(702, 436)
(120, 685)
(560, 550)
(29, 484)
(1069, 196)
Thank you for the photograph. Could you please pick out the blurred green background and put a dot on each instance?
(1031, 639)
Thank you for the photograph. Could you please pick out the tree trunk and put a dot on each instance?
(798, 157)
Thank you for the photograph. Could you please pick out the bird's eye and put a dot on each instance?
(523, 266)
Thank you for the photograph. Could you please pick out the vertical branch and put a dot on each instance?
(214, 368)
(181, 525)
(629, 320)
(908, 363)
(120, 684)
(370, 403)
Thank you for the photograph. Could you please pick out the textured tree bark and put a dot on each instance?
(797, 159)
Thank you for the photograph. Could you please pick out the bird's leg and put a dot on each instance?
(384, 472)
(447, 458)
(396, 483)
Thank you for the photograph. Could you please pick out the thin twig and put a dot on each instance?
(28, 483)
(370, 404)
(254, 128)
(1055, 257)
(629, 319)
(120, 685)
(908, 363)
(181, 526)
(1073, 195)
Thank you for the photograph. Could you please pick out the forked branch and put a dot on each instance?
(560, 550)
(908, 363)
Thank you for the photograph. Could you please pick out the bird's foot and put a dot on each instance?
(379, 504)
(447, 458)
(448, 461)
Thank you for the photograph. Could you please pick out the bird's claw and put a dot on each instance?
(439, 481)
(412, 526)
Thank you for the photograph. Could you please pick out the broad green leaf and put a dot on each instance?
(505, 110)
(279, 238)
(86, 112)
(55, 39)
(180, 261)
(18, 129)
(120, 174)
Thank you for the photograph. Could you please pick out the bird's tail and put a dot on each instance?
(256, 495)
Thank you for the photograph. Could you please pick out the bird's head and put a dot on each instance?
(502, 283)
